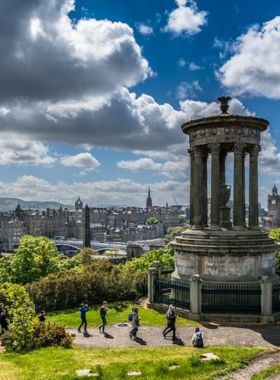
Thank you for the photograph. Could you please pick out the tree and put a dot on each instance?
(153, 220)
(35, 257)
(275, 233)
(173, 231)
(182, 219)
(22, 311)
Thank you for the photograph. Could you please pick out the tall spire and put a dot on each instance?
(149, 202)
(274, 189)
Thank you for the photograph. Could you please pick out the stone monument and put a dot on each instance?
(215, 248)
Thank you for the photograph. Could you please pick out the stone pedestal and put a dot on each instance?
(266, 300)
(225, 255)
(195, 297)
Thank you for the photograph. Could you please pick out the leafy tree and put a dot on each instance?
(173, 231)
(35, 257)
(25, 332)
(22, 311)
(275, 233)
(182, 219)
(153, 220)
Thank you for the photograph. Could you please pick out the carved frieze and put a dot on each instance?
(227, 130)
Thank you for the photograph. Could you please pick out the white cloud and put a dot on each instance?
(81, 160)
(186, 19)
(120, 191)
(188, 90)
(254, 68)
(16, 150)
(146, 30)
(45, 56)
(170, 169)
(194, 67)
(269, 157)
(141, 164)
(181, 62)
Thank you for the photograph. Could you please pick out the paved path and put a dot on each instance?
(230, 335)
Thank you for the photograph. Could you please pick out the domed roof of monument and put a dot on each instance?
(225, 118)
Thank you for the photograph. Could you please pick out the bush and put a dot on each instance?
(26, 333)
(46, 334)
(93, 283)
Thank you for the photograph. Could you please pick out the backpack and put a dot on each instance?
(130, 317)
(199, 340)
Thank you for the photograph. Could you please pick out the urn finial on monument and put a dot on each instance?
(224, 104)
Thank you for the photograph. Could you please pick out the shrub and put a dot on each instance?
(25, 333)
(46, 334)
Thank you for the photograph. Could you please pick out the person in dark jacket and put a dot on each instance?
(171, 320)
(83, 310)
(42, 316)
(135, 323)
(103, 312)
(3, 319)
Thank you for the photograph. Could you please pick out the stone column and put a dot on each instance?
(191, 178)
(197, 188)
(204, 197)
(215, 186)
(223, 156)
(195, 297)
(253, 188)
(266, 299)
(239, 187)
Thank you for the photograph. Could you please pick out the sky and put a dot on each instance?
(93, 93)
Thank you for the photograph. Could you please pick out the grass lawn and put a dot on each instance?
(118, 312)
(59, 363)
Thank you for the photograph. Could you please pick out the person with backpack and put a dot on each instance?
(197, 338)
(83, 310)
(103, 311)
(135, 321)
(171, 320)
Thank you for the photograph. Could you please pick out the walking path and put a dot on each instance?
(259, 364)
(215, 335)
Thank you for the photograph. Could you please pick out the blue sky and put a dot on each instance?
(93, 93)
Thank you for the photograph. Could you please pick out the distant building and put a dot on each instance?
(149, 202)
(273, 206)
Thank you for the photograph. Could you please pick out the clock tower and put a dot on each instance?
(273, 206)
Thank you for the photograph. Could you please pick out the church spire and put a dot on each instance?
(274, 189)
(149, 202)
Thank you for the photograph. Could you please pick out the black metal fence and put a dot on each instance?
(276, 298)
(231, 299)
(173, 293)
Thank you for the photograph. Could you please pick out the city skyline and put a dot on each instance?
(93, 94)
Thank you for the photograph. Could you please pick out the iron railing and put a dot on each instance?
(231, 299)
(173, 293)
(276, 298)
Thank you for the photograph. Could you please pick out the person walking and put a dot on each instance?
(167, 319)
(171, 324)
(135, 323)
(103, 312)
(197, 338)
(83, 310)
